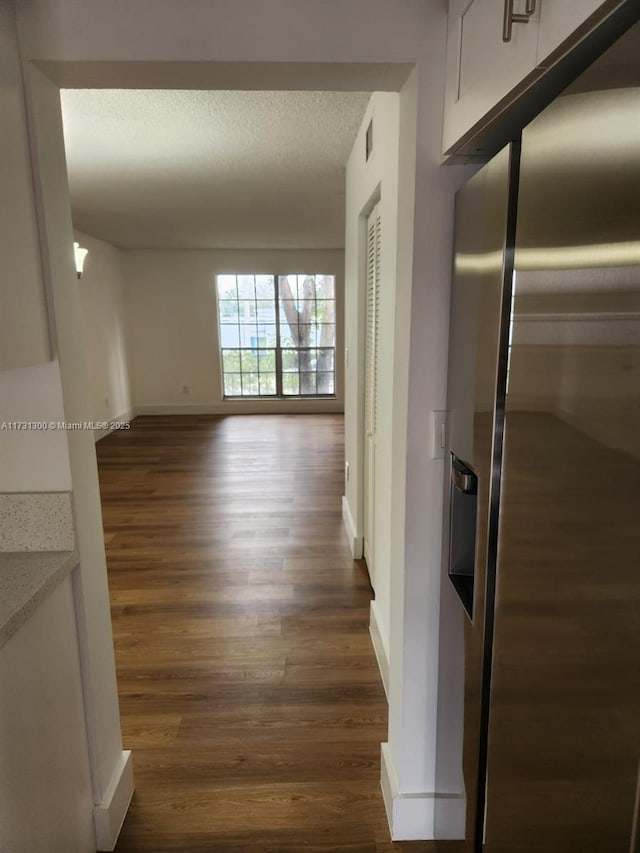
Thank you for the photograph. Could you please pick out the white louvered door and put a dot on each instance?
(370, 385)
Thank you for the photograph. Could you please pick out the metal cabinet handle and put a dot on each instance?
(530, 7)
(511, 18)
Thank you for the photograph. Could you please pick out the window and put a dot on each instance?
(277, 335)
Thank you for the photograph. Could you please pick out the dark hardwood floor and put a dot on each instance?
(249, 691)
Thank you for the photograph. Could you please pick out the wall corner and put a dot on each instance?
(356, 543)
(411, 816)
(379, 645)
(109, 815)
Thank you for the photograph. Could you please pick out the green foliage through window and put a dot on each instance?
(277, 334)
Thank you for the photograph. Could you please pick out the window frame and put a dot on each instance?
(277, 349)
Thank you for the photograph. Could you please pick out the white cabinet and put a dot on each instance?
(47, 799)
(25, 337)
(559, 19)
(481, 68)
(488, 78)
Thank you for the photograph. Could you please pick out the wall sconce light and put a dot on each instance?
(80, 254)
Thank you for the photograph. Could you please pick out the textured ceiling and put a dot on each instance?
(210, 169)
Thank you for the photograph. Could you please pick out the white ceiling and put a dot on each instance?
(210, 169)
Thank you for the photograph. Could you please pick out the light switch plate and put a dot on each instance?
(439, 434)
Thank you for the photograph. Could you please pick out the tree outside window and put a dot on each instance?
(277, 334)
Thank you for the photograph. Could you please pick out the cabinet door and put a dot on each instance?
(25, 331)
(558, 20)
(47, 801)
(481, 68)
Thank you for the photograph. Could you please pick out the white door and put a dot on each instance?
(370, 385)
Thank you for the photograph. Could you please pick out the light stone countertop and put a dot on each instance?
(26, 579)
(36, 521)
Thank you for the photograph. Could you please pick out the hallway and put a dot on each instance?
(249, 691)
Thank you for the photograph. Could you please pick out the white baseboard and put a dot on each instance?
(109, 815)
(248, 407)
(411, 816)
(125, 417)
(379, 646)
(450, 820)
(356, 543)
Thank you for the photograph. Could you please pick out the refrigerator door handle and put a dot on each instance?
(465, 481)
(462, 531)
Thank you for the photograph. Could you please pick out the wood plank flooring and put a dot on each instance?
(249, 691)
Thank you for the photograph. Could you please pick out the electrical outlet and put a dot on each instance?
(346, 472)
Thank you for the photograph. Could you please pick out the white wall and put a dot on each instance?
(25, 336)
(173, 332)
(108, 769)
(420, 389)
(54, 699)
(367, 182)
(272, 31)
(149, 327)
(33, 460)
(101, 293)
(416, 194)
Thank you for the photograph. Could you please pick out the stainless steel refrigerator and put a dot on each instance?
(540, 641)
